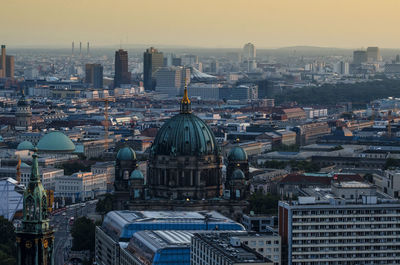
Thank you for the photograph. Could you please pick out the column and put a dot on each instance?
(191, 178)
(18, 240)
(36, 251)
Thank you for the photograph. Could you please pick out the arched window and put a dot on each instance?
(30, 208)
(44, 207)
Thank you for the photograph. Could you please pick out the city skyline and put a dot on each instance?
(267, 24)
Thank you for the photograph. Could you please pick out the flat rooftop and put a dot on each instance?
(238, 254)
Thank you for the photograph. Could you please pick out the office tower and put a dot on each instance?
(80, 48)
(249, 51)
(214, 67)
(373, 54)
(350, 223)
(190, 59)
(122, 76)
(152, 61)
(342, 68)
(249, 56)
(169, 81)
(94, 75)
(3, 61)
(360, 57)
(176, 61)
(10, 66)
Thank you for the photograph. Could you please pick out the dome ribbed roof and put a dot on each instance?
(238, 174)
(25, 145)
(237, 154)
(137, 174)
(55, 142)
(126, 154)
(185, 134)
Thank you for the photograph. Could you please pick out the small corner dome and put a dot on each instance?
(55, 142)
(238, 174)
(137, 174)
(126, 154)
(25, 145)
(237, 154)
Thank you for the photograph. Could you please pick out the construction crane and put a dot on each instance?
(389, 128)
(18, 177)
(106, 122)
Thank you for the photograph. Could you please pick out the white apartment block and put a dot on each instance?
(351, 223)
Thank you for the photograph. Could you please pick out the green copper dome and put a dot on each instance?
(137, 174)
(25, 145)
(238, 174)
(185, 134)
(55, 142)
(126, 154)
(237, 154)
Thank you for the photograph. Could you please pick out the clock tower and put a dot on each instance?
(35, 237)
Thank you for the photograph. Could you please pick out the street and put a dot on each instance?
(60, 222)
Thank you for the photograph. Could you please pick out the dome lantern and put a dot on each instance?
(185, 102)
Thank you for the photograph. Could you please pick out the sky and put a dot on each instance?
(202, 23)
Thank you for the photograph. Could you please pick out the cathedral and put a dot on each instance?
(185, 165)
(35, 237)
(23, 115)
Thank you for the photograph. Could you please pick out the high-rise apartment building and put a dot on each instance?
(360, 57)
(94, 75)
(153, 60)
(373, 54)
(350, 223)
(122, 75)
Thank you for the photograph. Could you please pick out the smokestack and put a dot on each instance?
(73, 47)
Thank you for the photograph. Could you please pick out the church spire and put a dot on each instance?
(35, 176)
(185, 102)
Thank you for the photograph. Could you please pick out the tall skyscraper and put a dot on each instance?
(6, 64)
(152, 61)
(360, 57)
(94, 75)
(10, 66)
(35, 237)
(249, 56)
(373, 54)
(122, 76)
(3, 62)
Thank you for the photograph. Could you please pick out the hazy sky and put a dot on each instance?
(202, 23)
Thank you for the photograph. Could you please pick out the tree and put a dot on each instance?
(73, 167)
(83, 234)
(7, 242)
(264, 203)
(105, 205)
